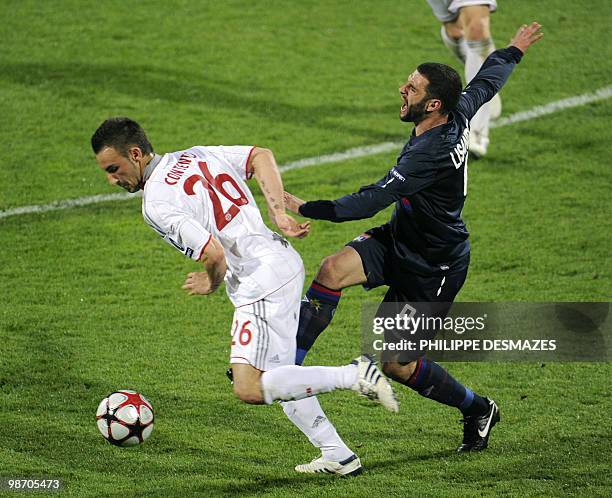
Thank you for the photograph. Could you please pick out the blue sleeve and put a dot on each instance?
(488, 81)
(400, 182)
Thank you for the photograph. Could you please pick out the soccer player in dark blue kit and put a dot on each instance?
(423, 252)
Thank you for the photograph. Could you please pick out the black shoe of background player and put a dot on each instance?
(476, 429)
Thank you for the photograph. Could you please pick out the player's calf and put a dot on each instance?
(336, 272)
(432, 381)
(316, 311)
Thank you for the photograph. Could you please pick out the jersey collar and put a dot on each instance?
(149, 168)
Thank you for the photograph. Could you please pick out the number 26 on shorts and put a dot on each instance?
(244, 336)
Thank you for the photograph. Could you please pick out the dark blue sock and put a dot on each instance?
(432, 381)
(316, 312)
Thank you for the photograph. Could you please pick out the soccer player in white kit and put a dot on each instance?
(198, 201)
(466, 32)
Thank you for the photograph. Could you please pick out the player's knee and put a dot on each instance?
(330, 272)
(391, 370)
(399, 372)
(249, 393)
(477, 28)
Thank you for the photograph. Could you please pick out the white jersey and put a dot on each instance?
(199, 193)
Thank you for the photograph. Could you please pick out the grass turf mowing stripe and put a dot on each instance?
(535, 112)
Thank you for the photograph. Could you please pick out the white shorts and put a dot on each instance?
(448, 10)
(264, 332)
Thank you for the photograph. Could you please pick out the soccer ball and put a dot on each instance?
(125, 418)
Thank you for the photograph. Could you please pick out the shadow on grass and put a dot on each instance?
(280, 484)
(79, 80)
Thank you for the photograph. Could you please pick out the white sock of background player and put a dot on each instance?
(293, 382)
(457, 46)
(308, 416)
(477, 51)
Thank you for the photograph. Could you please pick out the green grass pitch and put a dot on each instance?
(91, 299)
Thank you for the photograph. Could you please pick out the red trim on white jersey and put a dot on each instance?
(246, 166)
(204, 248)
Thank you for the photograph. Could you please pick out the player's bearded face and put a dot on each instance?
(414, 97)
(414, 112)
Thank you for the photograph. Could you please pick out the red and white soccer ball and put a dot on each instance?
(125, 418)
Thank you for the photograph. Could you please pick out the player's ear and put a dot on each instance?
(135, 153)
(434, 105)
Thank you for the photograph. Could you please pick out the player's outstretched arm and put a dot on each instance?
(496, 70)
(526, 36)
(268, 177)
(356, 206)
(207, 282)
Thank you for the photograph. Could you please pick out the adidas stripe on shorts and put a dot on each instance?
(263, 333)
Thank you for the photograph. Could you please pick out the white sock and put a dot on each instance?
(477, 52)
(293, 382)
(308, 416)
(455, 45)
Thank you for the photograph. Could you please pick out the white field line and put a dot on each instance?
(543, 110)
(535, 112)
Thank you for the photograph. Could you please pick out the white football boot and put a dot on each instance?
(373, 384)
(349, 467)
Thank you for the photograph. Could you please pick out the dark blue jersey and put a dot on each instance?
(428, 184)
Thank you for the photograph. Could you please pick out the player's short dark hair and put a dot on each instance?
(444, 84)
(121, 134)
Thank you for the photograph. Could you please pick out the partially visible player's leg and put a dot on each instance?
(466, 32)
(278, 316)
(432, 381)
(290, 382)
(475, 24)
(359, 262)
(452, 37)
(450, 30)
(308, 416)
(338, 271)
(263, 354)
(432, 296)
(336, 457)
(427, 377)
(294, 382)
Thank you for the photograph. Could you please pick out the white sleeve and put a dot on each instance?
(237, 156)
(178, 228)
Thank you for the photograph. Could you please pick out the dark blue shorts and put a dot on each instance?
(382, 268)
